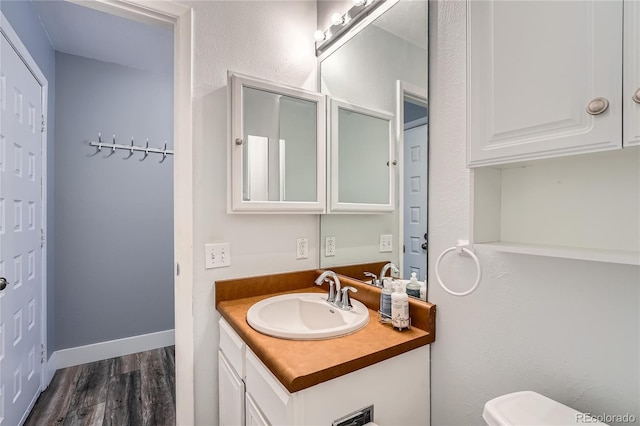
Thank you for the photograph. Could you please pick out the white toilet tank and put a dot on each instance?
(529, 408)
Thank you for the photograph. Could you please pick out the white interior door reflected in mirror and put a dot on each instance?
(362, 159)
(278, 145)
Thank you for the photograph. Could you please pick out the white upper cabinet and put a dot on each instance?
(545, 78)
(631, 91)
(277, 148)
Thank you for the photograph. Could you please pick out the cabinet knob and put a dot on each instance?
(636, 96)
(597, 106)
(238, 141)
(3, 283)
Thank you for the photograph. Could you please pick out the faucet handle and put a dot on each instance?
(346, 301)
(374, 278)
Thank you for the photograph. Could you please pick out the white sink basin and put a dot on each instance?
(305, 316)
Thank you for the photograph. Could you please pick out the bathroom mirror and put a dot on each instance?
(277, 147)
(382, 64)
(361, 161)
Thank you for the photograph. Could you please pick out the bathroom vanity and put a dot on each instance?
(268, 380)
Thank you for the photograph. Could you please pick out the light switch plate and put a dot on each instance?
(217, 255)
(386, 244)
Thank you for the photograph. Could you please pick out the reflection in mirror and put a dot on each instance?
(361, 146)
(279, 152)
(365, 70)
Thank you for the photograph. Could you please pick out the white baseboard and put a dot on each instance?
(104, 350)
(52, 366)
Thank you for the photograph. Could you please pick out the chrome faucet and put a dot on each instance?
(394, 271)
(334, 293)
(374, 279)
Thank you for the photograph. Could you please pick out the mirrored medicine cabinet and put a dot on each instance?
(278, 148)
(279, 151)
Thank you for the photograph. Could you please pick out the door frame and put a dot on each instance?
(12, 37)
(180, 18)
(403, 90)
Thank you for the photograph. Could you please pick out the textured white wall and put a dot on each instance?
(274, 41)
(567, 329)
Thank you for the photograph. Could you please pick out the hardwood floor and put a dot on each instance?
(137, 389)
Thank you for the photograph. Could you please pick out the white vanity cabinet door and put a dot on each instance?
(231, 394)
(254, 416)
(631, 91)
(274, 401)
(533, 69)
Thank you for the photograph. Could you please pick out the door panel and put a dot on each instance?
(231, 394)
(415, 202)
(20, 236)
(529, 87)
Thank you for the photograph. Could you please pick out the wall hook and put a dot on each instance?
(146, 151)
(130, 151)
(164, 153)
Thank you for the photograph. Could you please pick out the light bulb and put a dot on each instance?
(336, 19)
(358, 2)
(318, 36)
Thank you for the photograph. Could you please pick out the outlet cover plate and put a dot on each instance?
(330, 246)
(217, 255)
(302, 248)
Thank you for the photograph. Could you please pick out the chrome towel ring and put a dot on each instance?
(461, 247)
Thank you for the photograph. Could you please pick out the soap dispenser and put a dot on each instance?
(400, 308)
(385, 299)
(413, 287)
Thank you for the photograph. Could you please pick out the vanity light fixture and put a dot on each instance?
(319, 36)
(340, 23)
(337, 19)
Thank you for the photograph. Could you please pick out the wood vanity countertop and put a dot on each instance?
(300, 364)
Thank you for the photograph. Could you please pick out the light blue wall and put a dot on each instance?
(25, 22)
(114, 216)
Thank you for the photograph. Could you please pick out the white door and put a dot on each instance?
(631, 91)
(415, 202)
(534, 70)
(20, 236)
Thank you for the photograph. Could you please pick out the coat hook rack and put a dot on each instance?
(132, 148)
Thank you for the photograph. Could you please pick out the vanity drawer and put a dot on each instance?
(274, 401)
(233, 347)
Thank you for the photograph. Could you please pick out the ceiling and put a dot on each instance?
(86, 32)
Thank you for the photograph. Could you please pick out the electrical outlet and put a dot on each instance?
(302, 248)
(217, 255)
(385, 243)
(330, 246)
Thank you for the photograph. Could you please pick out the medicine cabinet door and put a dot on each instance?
(277, 148)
